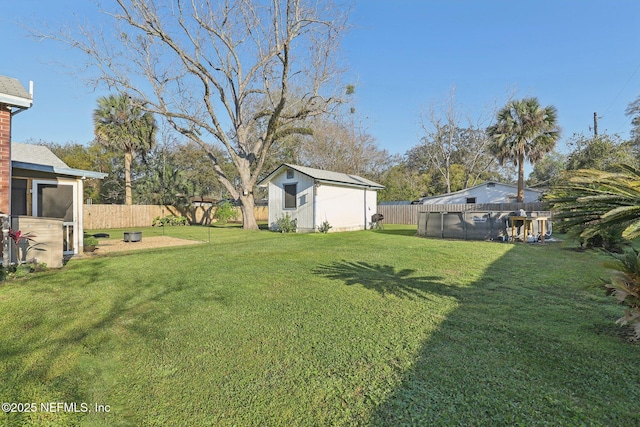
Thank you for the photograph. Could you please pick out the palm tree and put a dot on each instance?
(523, 130)
(594, 202)
(121, 124)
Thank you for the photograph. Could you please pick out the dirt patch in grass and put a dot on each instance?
(112, 245)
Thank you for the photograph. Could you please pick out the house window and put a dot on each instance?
(471, 200)
(290, 192)
(289, 173)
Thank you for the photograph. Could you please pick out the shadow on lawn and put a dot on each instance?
(398, 231)
(382, 278)
(61, 355)
(518, 350)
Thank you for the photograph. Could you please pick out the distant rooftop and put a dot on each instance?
(13, 93)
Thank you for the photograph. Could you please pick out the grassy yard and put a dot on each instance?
(362, 328)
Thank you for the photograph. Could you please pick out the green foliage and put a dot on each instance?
(172, 220)
(225, 212)
(624, 285)
(325, 227)
(38, 267)
(286, 225)
(523, 131)
(121, 124)
(603, 153)
(597, 202)
(90, 240)
(403, 183)
(547, 171)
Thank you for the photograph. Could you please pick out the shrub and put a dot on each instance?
(170, 220)
(324, 227)
(37, 267)
(286, 224)
(225, 212)
(90, 241)
(625, 286)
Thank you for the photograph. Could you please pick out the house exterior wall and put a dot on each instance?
(499, 193)
(303, 212)
(45, 246)
(5, 158)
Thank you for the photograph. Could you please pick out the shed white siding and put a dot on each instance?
(345, 208)
(303, 212)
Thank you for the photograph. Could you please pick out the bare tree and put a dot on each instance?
(342, 146)
(450, 138)
(222, 69)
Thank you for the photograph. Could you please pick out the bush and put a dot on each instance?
(610, 239)
(170, 220)
(286, 224)
(225, 212)
(90, 241)
(625, 286)
(324, 227)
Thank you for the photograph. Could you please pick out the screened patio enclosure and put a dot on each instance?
(53, 199)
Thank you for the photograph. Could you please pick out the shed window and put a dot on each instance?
(290, 192)
(471, 200)
(289, 173)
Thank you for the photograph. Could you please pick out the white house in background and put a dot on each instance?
(313, 196)
(488, 192)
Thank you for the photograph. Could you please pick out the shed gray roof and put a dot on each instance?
(326, 176)
(40, 158)
(13, 93)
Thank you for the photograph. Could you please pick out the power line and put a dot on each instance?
(621, 90)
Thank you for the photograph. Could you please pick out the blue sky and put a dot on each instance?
(581, 56)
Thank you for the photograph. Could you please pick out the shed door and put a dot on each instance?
(53, 199)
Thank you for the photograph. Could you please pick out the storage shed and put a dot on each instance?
(312, 196)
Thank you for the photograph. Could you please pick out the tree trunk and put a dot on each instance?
(128, 157)
(520, 178)
(248, 212)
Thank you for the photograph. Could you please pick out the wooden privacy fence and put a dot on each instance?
(122, 216)
(408, 214)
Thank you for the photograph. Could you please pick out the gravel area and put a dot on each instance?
(113, 245)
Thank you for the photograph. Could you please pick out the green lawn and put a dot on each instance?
(361, 328)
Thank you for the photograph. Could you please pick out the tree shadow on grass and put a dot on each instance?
(411, 232)
(42, 355)
(384, 279)
(520, 351)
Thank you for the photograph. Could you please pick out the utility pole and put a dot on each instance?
(595, 125)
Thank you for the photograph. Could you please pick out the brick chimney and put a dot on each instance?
(5, 158)
(13, 99)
